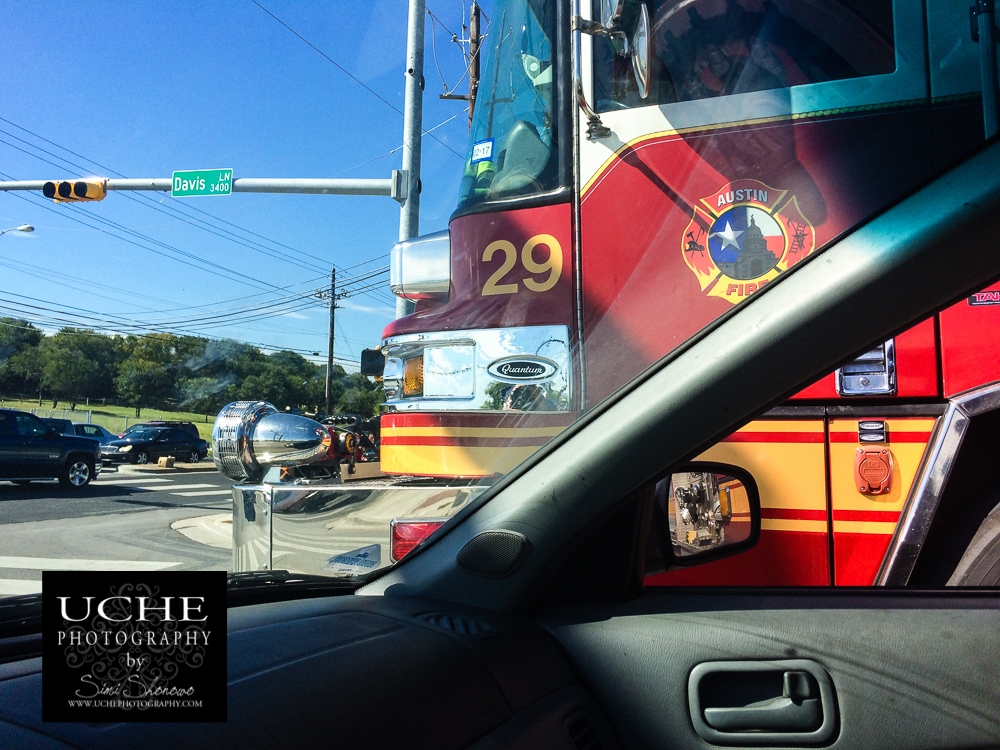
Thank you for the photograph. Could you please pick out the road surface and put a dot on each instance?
(122, 521)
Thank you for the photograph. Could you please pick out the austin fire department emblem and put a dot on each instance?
(743, 237)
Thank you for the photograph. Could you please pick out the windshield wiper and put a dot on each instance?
(275, 585)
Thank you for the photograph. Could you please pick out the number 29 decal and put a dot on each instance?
(551, 265)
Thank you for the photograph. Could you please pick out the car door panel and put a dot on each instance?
(909, 669)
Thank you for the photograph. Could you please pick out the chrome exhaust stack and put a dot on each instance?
(249, 437)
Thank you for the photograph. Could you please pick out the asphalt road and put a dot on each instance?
(121, 521)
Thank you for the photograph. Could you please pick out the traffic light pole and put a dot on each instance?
(413, 97)
(393, 187)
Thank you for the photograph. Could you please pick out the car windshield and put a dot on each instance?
(370, 326)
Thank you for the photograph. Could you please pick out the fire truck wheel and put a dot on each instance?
(980, 565)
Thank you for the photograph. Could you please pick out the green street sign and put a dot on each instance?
(198, 182)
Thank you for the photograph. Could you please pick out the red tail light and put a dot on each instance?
(407, 534)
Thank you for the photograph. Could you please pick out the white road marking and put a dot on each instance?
(57, 563)
(202, 493)
(191, 487)
(17, 586)
(147, 480)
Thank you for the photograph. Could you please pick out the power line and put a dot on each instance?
(251, 281)
(131, 293)
(152, 203)
(149, 202)
(345, 72)
(268, 347)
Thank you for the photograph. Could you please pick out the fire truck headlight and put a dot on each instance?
(250, 436)
(448, 371)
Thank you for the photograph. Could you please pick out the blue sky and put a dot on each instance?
(146, 88)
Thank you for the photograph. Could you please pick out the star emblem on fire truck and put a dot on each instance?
(744, 236)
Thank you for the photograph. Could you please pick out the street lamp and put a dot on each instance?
(22, 228)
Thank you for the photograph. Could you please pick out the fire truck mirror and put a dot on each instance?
(701, 513)
(372, 362)
(641, 50)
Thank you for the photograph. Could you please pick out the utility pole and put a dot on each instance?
(473, 59)
(413, 94)
(474, 41)
(329, 352)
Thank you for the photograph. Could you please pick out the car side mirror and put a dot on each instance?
(702, 512)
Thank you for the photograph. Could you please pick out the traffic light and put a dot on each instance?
(75, 192)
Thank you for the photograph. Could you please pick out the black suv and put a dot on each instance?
(31, 449)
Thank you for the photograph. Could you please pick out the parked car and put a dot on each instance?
(188, 427)
(95, 431)
(62, 426)
(150, 443)
(31, 449)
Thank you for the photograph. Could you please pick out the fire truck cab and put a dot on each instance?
(638, 168)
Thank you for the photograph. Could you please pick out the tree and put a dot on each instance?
(16, 336)
(203, 395)
(140, 382)
(74, 362)
(360, 395)
(29, 366)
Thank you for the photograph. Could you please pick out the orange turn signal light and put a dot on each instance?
(413, 376)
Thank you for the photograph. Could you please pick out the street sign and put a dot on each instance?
(198, 182)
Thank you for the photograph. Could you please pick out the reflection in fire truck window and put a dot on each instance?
(513, 142)
(708, 48)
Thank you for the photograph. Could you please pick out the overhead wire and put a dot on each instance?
(250, 281)
(268, 347)
(348, 74)
(150, 202)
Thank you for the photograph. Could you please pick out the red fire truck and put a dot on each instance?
(638, 168)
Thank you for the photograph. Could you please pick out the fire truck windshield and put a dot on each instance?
(512, 144)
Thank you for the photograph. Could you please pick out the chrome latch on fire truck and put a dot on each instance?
(871, 374)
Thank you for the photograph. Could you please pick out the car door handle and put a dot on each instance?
(775, 715)
(779, 702)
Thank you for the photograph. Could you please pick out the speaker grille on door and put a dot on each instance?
(492, 553)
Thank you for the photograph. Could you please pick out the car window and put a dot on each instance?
(7, 426)
(30, 426)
